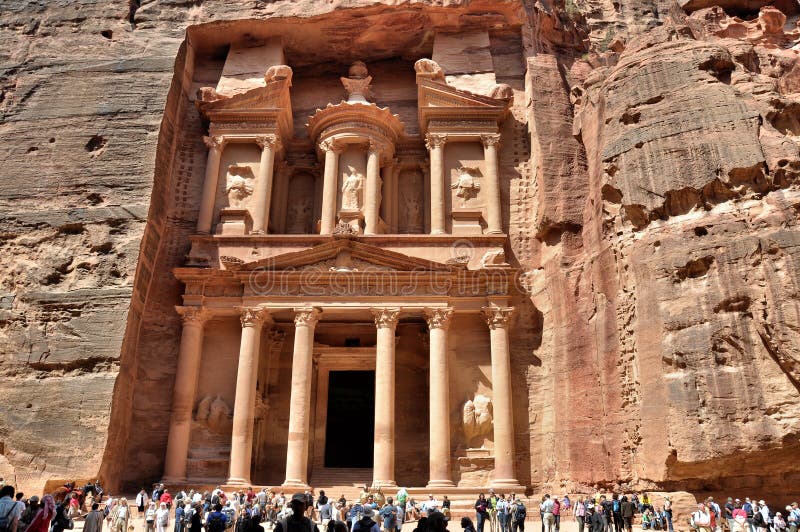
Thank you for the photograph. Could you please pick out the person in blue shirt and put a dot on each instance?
(389, 515)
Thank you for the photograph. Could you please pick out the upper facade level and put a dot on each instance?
(349, 165)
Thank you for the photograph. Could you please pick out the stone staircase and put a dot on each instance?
(341, 481)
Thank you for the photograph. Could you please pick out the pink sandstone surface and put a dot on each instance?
(653, 209)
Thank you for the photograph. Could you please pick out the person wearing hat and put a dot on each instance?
(297, 520)
(366, 523)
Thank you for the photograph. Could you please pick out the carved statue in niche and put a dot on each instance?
(214, 414)
(298, 215)
(477, 419)
(239, 185)
(352, 190)
(466, 184)
(411, 202)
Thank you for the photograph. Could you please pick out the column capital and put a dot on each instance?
(498, 317)
(253, 316)
(330, 145)
(438, 318)
(191, 315)
(306, 316)
(385, 317)
(492, 139)
(435, 140)
(267, 140)
(214, 142)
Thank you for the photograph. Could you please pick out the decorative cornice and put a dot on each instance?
(438, 318)
(498, 317)
(433, 140)
(306, 316)
(253, 316)
(214, 141)
(385, 318)
(490, 140)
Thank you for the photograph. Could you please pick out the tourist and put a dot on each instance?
(47, 511)
(580, 513)
(548, 519)
(627, 508)
(180, 515)
(566, 505)
(162, 517)
(412, 512)
(761, 517)
(792, 517)
(437, 523)
(502, 507)
(61, 521)
(216, 520)
(366, 523)
(701, 519)
(430, 506)
(166, 498)
(336, 525)
(356, 511)
(616, 513)
(647, 519)
(481, 511)
(141, 502)
(93, 522)
(556, 514)
(466, 525)
(668, 512)
(119, 516)
(518, 514)
(446, 506)
(389, 514)
(324, 509)
(195, 520)
(150, 517)
(595, 519)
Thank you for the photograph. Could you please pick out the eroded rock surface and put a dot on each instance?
(653, 213)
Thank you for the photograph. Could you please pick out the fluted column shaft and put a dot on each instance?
(263, 187)
(372, 192)
(438, 324)
(494, 212)
(384, 449)
(300, 401)
(329, 188)
(498, 319)
(183, 393)
(435, 144)
(245, 402)
(215, 145)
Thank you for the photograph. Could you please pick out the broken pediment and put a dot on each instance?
(342, 254)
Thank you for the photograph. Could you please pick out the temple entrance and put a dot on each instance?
(350, 428)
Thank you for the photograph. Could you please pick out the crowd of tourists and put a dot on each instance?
(254, 511)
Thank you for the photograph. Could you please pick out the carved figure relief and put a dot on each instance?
(301, 204)
(352, 189)
(239, 185)
(466, 184)
(214, 414)
(477, 419)
(411, 203)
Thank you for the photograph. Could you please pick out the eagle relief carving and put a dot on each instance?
(477, 419)
(466, 184)
(239, 185)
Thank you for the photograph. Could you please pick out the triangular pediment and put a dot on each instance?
(434, 93)
(343, 254)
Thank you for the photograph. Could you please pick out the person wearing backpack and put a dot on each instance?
(216, 520)
(9, 511)
(518, 517)
(297, 521)
(616, 512)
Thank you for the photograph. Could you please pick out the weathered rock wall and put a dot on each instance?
(654, 215)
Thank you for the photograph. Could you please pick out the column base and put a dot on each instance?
(233, 481)
(173, 480)
(496, 232)
(295, 484)
(383, 484)
(507, 484)
(440, 484)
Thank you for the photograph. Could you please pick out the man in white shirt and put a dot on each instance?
(546, 508)
(431, 505)
(9, 509)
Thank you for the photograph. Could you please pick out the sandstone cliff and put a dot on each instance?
(653, 212)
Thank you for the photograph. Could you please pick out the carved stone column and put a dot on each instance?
(435, 144)
(263, 186)
(438, 323)
(245, 402)
(215, 145)
(183, 392)
(329, 186)
(494, 211)
(372, 191)
(383, 468)
(498, 319)
(305, 320)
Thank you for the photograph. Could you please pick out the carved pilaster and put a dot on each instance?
(438, 318)
(267, 140)
(386, 317)
(492, 139)
(306, 316)
(214, 142)
(435, 140)
(193, 315)
(498, 317)
(253, 316)
(331, 145)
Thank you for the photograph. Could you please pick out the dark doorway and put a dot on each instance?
(350, 432)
